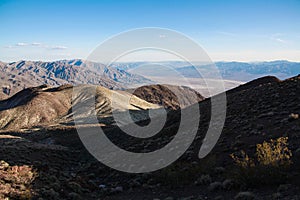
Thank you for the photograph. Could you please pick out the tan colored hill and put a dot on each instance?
(45, 105)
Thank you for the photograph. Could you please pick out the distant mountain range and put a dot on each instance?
(238, 71)
(16, 76)
(241, 71)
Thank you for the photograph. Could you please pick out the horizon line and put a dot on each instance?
(153, 61)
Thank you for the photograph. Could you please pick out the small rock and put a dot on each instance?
(203, 180)
(75, 187)
(3, 165)
(51, 194)
(91, 176)
(201, 197)
(276, 196)
(228, 184)
(93, 184)
(119, 189)
(151, 181)
(244, 196)
(260, 127)
(135, 183)
(169, 198)
(146, 186)
(284, 188)
(297, 152)
(269, 114)
(56, 186)
(219, 198)
(293, 117)
(215, 186)
(22, 187)
(187, 198)
(219, 170)
(74, 196)
(237, 143)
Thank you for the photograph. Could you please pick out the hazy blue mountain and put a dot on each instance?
(239, 71)
(242, 71)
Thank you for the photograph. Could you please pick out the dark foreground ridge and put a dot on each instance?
(52, 163)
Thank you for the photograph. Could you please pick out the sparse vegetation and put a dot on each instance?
(243, 160)
(269, 165)
(274, 153)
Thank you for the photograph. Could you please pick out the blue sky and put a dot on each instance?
(228, 30)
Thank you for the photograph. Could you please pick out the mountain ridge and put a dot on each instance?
(23, 74)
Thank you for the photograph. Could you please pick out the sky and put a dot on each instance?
(230, 30)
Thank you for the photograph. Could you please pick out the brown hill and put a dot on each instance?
(168, 95)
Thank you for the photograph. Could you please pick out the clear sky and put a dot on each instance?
(228, 30)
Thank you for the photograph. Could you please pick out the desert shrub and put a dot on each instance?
(274, 153)
(269, 166)
(243, 160)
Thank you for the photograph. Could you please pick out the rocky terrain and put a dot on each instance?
(16, 76)
(257, 112)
